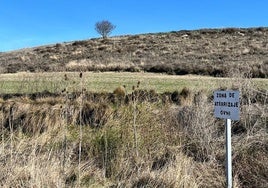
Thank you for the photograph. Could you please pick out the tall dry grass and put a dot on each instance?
(140, 139)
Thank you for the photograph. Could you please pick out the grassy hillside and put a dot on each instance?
(206, 52)
(65, 123)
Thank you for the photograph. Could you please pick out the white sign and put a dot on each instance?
(226, 104)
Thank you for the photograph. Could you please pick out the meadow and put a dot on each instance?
(156, 130)
(55, 82)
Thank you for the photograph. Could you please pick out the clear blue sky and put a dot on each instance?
(28, 23)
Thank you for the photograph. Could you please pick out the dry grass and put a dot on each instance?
(204, 52)
(102, 129)
(135, 138)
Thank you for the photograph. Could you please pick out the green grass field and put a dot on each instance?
(108, 81)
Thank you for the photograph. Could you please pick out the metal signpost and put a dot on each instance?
(226, 106)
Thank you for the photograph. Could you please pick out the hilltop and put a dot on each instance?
(205, 52)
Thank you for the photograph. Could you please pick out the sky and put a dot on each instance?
(30, 23)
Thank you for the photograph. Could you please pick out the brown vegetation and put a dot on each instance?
(176, 141)
(204, 52)
(136, 137)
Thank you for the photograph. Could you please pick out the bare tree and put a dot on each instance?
(104, 28)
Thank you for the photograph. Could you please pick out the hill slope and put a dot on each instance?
(207, 51)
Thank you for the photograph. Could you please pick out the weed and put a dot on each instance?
(78, 138)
